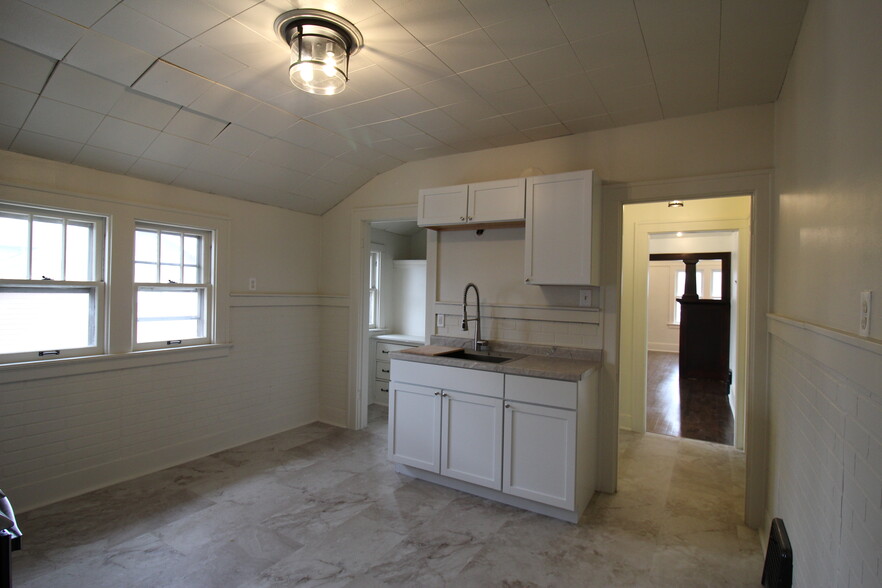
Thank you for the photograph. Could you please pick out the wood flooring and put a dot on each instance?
(690, 408)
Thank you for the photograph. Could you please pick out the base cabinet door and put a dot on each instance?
(415, 426)
(471, 438)
(539, 453)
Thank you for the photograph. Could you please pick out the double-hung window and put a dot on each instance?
(173, 286)
(51, 283)
(374, 267)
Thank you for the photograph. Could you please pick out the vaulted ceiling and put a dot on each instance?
(196, 93)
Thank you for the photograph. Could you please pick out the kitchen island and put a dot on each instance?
(517, 425)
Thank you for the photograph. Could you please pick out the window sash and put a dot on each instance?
(180, 262)
(374, 281)
(73, 245)
(170, 265)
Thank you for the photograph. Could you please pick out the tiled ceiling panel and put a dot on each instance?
(196, 93)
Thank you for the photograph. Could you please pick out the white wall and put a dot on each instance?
(825, 446)
(409, 287)
(130, 414)
(662, 335)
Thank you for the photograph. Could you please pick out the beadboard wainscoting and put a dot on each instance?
(825, 450)
(67, 434)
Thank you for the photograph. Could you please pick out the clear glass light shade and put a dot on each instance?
(319, 60)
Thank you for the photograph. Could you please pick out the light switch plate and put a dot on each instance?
(439, 320)
(252, 283)
(866, 305)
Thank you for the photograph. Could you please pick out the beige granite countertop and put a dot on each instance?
(538, 361)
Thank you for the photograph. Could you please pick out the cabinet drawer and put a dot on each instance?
(541, 391)
(380, 392)
(383, 370)
(384, 349)
(448, 378)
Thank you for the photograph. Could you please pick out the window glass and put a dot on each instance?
(47, 249)
(165, 314)
(78, 252)
(34, 320)
(13, 247)
(717, 284)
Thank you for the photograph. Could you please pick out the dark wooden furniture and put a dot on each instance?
(704, 323)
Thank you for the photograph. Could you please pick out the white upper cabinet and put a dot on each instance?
(485, 202)
(562, 240)
(443, 206)
(495, 202)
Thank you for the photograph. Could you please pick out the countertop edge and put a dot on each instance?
(580, 368)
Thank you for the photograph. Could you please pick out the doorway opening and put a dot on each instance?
(712, 225)
(395, 299)
(690, 335)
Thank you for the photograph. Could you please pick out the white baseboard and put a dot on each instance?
(664, 347)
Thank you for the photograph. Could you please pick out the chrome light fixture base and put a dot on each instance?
(321, 43)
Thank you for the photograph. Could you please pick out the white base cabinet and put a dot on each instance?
(540, 454)
(471, 438)
(451, 427)
(415, 426)
(530, 442)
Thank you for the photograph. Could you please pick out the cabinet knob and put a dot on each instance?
(508, 406)
(385, 371)
(437, 393)
(470, 218)
(444, 395)
(384, 389)
(384, 351)
(462, 218)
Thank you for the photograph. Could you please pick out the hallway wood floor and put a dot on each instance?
(693, 409)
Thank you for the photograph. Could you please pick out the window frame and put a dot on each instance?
(96, 286)
(374, 292)
(206, 284)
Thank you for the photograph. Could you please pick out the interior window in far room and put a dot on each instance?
(374, 267)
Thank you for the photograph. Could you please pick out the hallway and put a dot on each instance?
(692, 409)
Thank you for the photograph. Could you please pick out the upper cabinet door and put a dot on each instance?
(443, 206)
(500, 201)
(562, 242)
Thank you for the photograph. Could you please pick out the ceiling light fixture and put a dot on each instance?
(321, 43)
(675, 204)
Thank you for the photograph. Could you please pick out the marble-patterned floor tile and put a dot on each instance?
(322, 506)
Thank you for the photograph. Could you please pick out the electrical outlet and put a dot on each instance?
(439, 320)
(584, 297)
(252, 283)
(866, 305)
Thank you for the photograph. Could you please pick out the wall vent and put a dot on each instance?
(778, 567)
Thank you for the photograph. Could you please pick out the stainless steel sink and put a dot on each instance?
(472, 356)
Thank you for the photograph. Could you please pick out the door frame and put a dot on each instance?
(758, 185)
(634, 341)
(359, 350)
